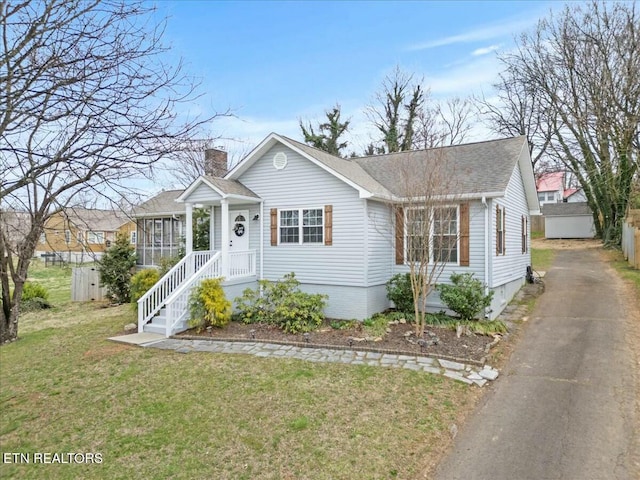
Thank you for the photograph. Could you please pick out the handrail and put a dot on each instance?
(177, 304)
(153, 300)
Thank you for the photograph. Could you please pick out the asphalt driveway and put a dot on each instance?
(565, 406)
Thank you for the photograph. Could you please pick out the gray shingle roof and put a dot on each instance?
(230, 187)
(474, 168)
(564, 209)
(163, 203)
(470, 169)
(95, 219)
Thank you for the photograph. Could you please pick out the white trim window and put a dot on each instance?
(292, 231)
(445, 234)
(95, 238)
(67, 237)
(436, 229)
(133, 237)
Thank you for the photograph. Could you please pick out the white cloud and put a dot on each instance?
(507, 28)
(485, 50)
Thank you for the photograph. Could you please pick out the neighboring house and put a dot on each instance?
(160, 225)
(288, 207)
(551, 188)
(82, 235)
(568, 220)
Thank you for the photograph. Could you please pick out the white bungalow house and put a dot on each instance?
(288, 207)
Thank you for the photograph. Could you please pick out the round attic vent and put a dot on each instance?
(280, 160)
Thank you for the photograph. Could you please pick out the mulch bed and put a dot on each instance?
(468, 348)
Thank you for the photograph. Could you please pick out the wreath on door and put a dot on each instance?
(238, 229)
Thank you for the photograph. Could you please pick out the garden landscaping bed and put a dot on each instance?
(441, 341)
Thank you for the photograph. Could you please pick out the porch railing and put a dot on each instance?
(242, 263)
(177, 304)
(152, 301)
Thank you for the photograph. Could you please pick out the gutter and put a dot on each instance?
(487, 250)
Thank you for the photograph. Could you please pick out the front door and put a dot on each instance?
(239, 234)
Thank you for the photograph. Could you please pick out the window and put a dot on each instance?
(500, 230)
(80, 237)
(445, 235)
(134, 238)
(67, 237)
(542, 197)
(310, 230)
(43, 238)
(525, 234)
(441, 230)
(95, 237)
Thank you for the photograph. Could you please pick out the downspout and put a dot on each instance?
(261, 276)
(487, 251)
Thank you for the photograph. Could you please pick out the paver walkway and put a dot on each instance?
(458, 371)
(565, 406)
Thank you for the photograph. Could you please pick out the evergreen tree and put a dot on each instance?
(327, 137)
(116, 269)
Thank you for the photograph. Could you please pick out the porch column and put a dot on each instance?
(212, 228)
(188, 238)
(224, 235)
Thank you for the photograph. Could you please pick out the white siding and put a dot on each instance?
(569, 226)
(379, 243)
(302, 184)
(203, 194)
(476, 248)
(511, 266)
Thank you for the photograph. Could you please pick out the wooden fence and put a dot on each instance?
(631, 238)
(85, 285)
(537, 224)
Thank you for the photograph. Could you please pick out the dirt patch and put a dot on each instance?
(441, 342)
(565, 244)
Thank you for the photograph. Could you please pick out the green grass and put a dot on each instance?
(161, 414)
(537, 234)
(56, 279)
(626, 271)
(542, 258)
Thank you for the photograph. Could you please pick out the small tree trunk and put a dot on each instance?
(9, 326)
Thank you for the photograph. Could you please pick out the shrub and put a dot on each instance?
(141, 282)
(283, 304)
(116, 267)
(377, 325)
(35, 303)
(400, 293)
(167, 263)
(208, 305)
(466, 296)
(32, 290)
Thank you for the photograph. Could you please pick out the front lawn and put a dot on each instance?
(162, 414)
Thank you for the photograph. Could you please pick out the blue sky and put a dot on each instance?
(274, 63)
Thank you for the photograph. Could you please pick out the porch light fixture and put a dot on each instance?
(350, 340)
(306, 337)
(252, 334)
(256, 217)
(422, 343)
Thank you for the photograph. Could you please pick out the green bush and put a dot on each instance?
(283, 304)
(141, 282)
(167, 263)
(400, 293)
(466, 296)
(33, 290)
(377, 325)
(116, 269)
(208, 305)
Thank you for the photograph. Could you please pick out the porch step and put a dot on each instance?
(158, 324)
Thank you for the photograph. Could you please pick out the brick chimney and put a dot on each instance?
(215, 162)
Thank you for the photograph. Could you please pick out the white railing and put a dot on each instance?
(177, 304)
(152, 301)
(242, 263)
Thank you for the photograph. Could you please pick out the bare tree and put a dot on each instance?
(583, 66)
(427, 224)
(88, 103)
(518, 110)
(394, 112)
(443, 123)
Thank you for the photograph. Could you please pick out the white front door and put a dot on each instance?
(239, 234)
